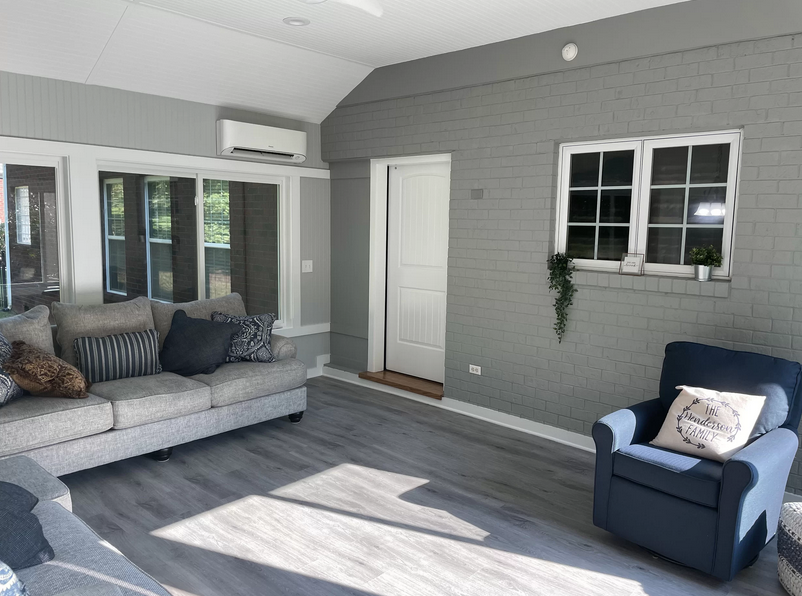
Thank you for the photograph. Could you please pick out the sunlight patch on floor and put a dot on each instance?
(331, 526)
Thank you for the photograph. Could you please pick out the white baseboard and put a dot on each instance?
(531, 427)
(322, 361)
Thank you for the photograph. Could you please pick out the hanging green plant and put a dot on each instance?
(561, 274)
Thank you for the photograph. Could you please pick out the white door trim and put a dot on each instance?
(378, 250)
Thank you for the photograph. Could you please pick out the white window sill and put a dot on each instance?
(717, 288)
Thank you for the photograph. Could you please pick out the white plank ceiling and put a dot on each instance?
(239, 53)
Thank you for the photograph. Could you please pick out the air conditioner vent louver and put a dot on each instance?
(263, 143)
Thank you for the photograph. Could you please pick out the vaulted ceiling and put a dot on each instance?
(239, 53)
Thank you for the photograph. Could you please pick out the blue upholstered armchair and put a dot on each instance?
(710, 516)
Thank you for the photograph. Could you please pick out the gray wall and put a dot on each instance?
(350, 252)
(39, 108)
(504, 138)
(316, 245)
(672, 28)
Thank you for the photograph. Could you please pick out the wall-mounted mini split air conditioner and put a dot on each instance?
(260, 143)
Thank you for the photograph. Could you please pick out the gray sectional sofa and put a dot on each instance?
(136, 416)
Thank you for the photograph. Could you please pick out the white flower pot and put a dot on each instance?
(702, 272)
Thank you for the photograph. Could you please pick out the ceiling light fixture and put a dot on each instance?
(296, 21)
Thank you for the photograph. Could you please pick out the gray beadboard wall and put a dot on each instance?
(504, 138)
(48, 109)
(53, 110)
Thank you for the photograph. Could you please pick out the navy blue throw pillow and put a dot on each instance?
(195, 346)
(10, 585)
(22, 541)
(16, 498)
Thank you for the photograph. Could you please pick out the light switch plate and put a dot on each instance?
(306, 266)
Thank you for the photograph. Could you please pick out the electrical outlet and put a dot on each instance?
(306, 266)
(474, 370)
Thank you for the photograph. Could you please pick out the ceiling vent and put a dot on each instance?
(260, 143)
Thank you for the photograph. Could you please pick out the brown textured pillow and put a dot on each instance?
(43, 374)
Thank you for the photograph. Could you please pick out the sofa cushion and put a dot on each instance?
(241, 381)
(31, 422)
(698, 365)
(684, 476)
(83, 560)
(282, 347)
(32, 327)
(141, 400)
(98, 320)
(231, 304)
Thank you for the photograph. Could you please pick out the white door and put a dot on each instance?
(417, 260)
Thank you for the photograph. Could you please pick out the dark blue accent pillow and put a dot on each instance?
(10, 585)
(8, 388)
(252, 343)
(118, 356)
(195, 346)
(710, 367)
(16, 498)
(22, 541)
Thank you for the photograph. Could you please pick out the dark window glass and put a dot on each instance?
(617, 168)
(584, 169)
(615, 206)
(666, 205)
(664, 245)
(581, 241)
(670, 166)
(707, 205)
(582, 206)
(613, 242)
(702, 237)
(710, 164)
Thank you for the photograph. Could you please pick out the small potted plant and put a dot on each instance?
(704, 258)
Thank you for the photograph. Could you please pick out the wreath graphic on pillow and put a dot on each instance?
(687, 413)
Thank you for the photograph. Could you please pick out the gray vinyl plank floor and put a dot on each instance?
(373, 494)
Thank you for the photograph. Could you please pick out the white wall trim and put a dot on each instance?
(378, 250)
(321, 361)
(303, 330)
(530, 427)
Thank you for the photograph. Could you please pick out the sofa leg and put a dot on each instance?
(296, 418)
(162, 455)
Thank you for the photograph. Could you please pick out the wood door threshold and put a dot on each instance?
(405, 382)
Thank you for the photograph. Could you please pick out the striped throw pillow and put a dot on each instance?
(118, 356)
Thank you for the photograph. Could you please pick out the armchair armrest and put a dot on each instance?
(635, 424)
(752, 486)
(283, 347)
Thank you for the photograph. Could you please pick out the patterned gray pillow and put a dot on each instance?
(8, 388)
(252, 343)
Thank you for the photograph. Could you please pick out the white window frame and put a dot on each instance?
(108, 236)
(148, 239)
(639, 217)
(22, 217)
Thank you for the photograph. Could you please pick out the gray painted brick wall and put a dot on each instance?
(504, 139)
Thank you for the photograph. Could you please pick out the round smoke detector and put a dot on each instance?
(570, 51)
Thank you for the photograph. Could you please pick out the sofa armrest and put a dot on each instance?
(752, 487)
(283, 347)
(635, 424)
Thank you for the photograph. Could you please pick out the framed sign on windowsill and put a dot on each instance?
(631, 264)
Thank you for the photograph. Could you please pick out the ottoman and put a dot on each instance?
(25, 472)
(789, 548)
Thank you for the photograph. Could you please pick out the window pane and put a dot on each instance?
(702, 237)
(670, 166)
(150, 237)
(707, 205)
(666, 205)
(584, 169)
(582, 206)
(664, 245)
(615, 206)
(116, 269)
(617, 168)
(216, 215)
(218, 272)
(710, 164)
(581, 241)
(613, 242)
(29, 259)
